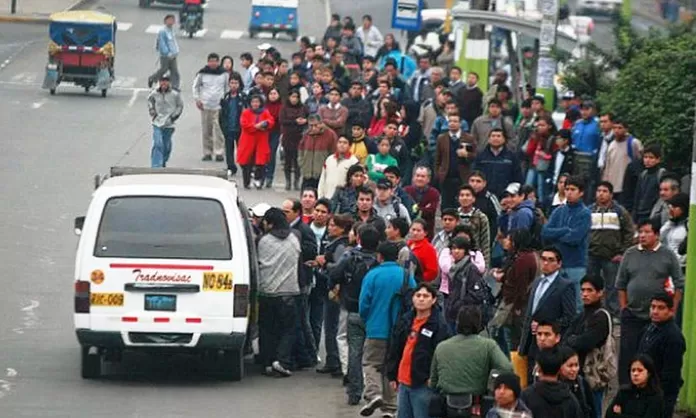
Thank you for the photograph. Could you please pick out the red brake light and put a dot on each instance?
(82, 295)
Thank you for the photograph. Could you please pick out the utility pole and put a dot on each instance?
(547, 40)
(688, 392)
(477, 48)
(13, 7)
(448, 18)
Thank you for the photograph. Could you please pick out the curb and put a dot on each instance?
(41, 19)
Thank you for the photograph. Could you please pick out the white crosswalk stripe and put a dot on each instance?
(154, 29)
(124, 26)
(199, 34)
(232, 34)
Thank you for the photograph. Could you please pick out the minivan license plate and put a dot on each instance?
(160, 303)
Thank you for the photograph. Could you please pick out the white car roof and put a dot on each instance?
(165, 184)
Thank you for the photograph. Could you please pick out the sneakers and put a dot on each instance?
(219, 158)
(372, 406)
(353, 400)
(388, 415)
(282, 371)
(207, 158)
(328, 370)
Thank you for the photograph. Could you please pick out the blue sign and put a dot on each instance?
(406, 14)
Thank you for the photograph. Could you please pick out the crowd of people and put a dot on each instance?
(443, 231)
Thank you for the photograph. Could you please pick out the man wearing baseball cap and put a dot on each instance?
(165, 107)
(387, 205)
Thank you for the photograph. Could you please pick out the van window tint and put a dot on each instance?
(163, 227)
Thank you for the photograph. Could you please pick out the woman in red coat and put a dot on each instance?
(254, 151)
(423, 250)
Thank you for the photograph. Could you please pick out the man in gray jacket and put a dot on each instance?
(279, 260)
(165, 107)
(370, 37)
(209, 87)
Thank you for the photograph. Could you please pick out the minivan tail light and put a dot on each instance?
(82, 294)
(241, 301)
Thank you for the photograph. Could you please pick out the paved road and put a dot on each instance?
(51, 148)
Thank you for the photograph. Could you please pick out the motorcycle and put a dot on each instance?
(192, 23)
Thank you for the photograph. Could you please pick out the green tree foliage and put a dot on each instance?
(655, 92)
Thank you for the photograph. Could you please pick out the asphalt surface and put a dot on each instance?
(51, 148)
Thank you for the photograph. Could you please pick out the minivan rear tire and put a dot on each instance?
(232, 365)
(91, 364)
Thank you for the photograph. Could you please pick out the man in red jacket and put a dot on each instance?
(427, 198)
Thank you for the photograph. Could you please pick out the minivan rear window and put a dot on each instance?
(163, 227)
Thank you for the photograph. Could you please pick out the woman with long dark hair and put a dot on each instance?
(293, 120)
(273, 105)
(643, 397)
(515, 277)
(345, 197)
(387, 111)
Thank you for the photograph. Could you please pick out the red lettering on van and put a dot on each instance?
(157, 277)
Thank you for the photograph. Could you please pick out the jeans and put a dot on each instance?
(316, 313)
(608, 270)
(575, 274)
(273, 141)
(632, 330)
(413, 402)
(161, 146)
(277, 329)
(537, 178)
(231, 139)
(670, 404)
(376, 384)
(305, 347)
(598, 398)
(332, 311)
(504, 340)
(356, 342)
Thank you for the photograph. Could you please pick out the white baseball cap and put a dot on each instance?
(259, 210)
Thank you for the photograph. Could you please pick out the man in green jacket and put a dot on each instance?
(464, 363)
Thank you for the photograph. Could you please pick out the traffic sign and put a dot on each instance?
(406, 14)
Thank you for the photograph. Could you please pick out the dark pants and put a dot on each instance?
(670, 404)
(273, 141)
(258, 171)
(632, 330)
(305, 349)
(316, 312)
(606, 268)
(332, 311)
(356, 342)
(231, 139)
(449, 189)
(276, 329)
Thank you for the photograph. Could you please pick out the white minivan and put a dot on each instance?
(166, 263)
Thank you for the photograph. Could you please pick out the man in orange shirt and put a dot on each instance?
(411, 352)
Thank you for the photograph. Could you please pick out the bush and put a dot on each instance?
(654, 93)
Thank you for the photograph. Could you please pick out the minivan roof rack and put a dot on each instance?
(130, 171)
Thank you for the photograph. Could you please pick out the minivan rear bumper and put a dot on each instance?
(113, 339)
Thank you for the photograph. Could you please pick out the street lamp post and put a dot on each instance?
(546, 62)
(13, 7)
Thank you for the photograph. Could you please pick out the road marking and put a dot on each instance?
(124, 82)
(198, 34)
(37, 105)
(25, 78)
(154, 29)
(38, 87)
(124, 26)
(133, 98)
(11, 372)
(33, 305)
(232, 34)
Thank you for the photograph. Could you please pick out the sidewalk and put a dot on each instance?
(37, 11)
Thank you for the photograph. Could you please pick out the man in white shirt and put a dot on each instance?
(370, 37)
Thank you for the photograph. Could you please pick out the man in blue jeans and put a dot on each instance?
(165, 107)
(568, 230)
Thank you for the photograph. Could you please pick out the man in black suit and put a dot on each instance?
(552, 299)
(306, 348)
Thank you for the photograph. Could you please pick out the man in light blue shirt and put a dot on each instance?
(168, 49)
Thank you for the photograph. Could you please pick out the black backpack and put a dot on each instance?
(360, 264)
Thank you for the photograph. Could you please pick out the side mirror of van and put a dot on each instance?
(79, 224)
